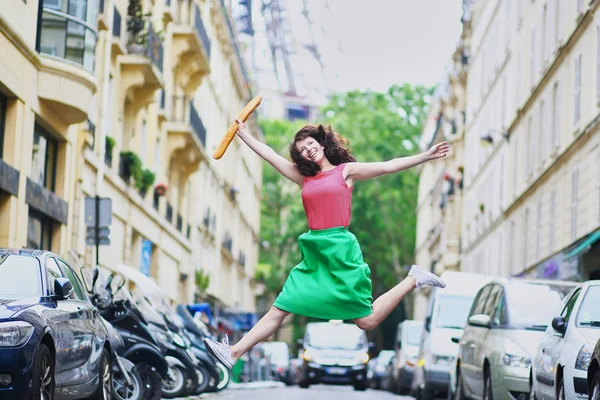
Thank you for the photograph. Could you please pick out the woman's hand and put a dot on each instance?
(241, 127)
(438, 151)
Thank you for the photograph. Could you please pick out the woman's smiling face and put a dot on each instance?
(311, 150)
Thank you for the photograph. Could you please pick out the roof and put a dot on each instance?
(25, 252)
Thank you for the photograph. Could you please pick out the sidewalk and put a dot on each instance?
(239, 386)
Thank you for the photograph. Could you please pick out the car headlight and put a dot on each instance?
(307, 355)
(177, 339)
(13, 334)
(441, 360)
(516, 361)
(364, 358)
(583, 358)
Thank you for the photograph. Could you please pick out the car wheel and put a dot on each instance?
(360, 386)
(460, 390)
(595, 387)
(488, 392)
(43, 375)
(561, 390)
(151, 382)
(303, 385)
(174, 384)
(121, 391)
(105, 383)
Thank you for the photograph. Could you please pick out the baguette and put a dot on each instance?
(230, 134)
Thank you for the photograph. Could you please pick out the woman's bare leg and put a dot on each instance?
(383, 306)
(261, 331)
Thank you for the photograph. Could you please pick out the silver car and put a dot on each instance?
(561, 362)
(504, 327)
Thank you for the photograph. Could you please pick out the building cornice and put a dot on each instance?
(19, 42)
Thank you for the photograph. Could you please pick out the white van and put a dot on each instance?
(446, 317)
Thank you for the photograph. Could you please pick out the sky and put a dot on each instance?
(383, 42)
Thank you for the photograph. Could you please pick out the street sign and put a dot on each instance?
(104, 211)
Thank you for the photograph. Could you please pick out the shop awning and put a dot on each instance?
(583, 246)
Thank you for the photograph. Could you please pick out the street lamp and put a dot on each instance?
(488, 139)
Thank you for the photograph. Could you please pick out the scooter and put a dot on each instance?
(220, 375)
(139, 348)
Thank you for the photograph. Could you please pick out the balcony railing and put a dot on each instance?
(197, 125)
(65, 36)
(179, 222)
(143, 40)
(169, 212)
(108, 155)
(116, 28)
(227, 241)
(199, 25)
(155, 201)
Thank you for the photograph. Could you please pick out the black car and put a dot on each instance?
(52, 340)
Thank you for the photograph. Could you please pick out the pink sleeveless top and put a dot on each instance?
(327, 200)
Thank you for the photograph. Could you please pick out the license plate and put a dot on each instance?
(336, 371)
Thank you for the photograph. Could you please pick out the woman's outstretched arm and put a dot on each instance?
(361, 171)
(285, 167)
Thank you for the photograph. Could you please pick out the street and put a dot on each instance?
(317, 392)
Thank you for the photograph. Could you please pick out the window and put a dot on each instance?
(479, 302)
(518, 79)
(2, 122)
(544, 52)
(532, 59)
(542, 142)
(555, 142)
(39, 231)
(144, 139)
(492, 301)
(530, 145)
(598, 64)
(43, 158)
(525, 239)
(538, 230)
(78, 289)
(557, 22)
(513, 252)
(157, 157)
(515, 166)
(579, 6)
(552, 221)
(577, 112)
(66, 31)
(566, 312)
(53, 273)
(503, 103)
(501, 184)
(574, 195)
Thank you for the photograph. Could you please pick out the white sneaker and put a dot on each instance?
(220, 351)
(425, 278)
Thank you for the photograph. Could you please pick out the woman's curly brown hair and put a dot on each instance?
(335, 147)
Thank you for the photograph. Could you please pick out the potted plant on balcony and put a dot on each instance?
(161, 189)
(131, 166)
(146, 180)
(108, 150)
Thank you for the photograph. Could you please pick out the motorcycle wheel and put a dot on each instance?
(151, 382)
(120, 389)
(174, 384)
(203, 380)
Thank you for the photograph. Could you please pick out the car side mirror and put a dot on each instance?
(559, 325)
(63, 288)
(455, 340)
(480, 320)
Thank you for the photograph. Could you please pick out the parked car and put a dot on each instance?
(560, 365)
(279, 356)
(52, 340)
(593, 374)
(406, 347)
(334, 353)
(446, 316)
(379, 366)
(506, 322)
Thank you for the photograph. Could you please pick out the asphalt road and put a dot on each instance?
(317, 392)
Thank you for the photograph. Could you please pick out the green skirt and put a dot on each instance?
(332, 281)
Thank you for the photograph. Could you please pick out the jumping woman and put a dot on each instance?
(332, 281)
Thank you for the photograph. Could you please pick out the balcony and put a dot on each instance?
(190, 46)
(66, 81)
(141, 66)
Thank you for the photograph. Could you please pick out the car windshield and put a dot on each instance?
(537, 314)
(412, 334)
(336, 337)
(453, 311)
(20, 277)
(589, 312)
(278, 352)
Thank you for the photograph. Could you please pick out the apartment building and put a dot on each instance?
(127, 100)
(532, 197)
